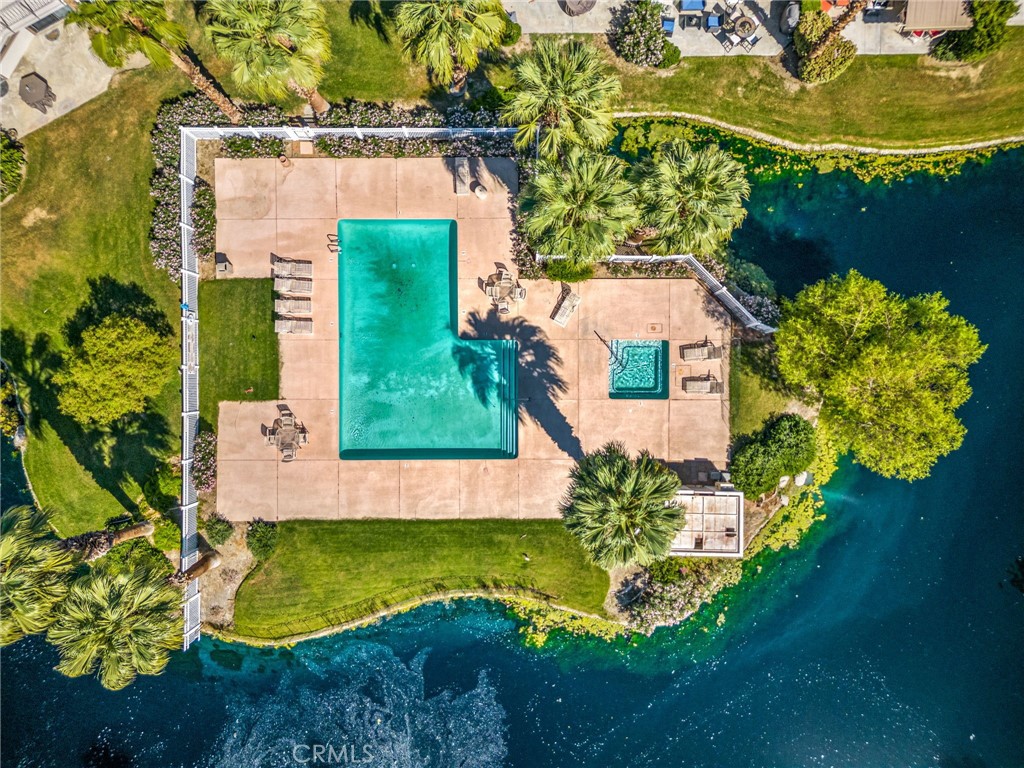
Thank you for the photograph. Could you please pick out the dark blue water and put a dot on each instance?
(889, 639)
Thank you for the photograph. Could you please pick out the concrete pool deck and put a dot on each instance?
(264, 207)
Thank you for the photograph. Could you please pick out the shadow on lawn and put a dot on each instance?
(538, 364)
(376, 15)
(130, 448)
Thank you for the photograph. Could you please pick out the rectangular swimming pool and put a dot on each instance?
(409, 388)
(638, 369)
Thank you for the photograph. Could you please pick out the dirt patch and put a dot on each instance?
(954, 70)
(35, 216)
(218, 586)
(625, 586)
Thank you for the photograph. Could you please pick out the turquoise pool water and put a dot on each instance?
(408, 386)
(638, 369)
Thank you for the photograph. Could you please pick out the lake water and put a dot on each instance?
(890, 638)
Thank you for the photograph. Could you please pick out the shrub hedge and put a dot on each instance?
(986, 36)
(637, 35)
(784, 446)
(261, 538)
(12, 165)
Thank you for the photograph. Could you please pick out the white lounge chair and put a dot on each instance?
(566, 308)
(292, 268)
(296, 325)
(293, 285)
(293, 306)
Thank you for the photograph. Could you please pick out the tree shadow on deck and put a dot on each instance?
(537, 368)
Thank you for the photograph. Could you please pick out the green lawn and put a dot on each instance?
(84, 213)
(323, 567)
(879, 100)
(238, 347)
(751, 399)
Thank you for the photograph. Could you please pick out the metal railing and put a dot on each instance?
(190, 303)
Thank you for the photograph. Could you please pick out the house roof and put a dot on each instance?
(937, 14)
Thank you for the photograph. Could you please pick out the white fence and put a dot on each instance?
(190, 303)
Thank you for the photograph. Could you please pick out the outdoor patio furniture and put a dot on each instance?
(726, 43)
(744, 26)
(519, 293)
(701, 350)
(295, 325)
(504, 276)
(493, 291)
(691, 5)
(749, 43)
(579, 7)
(463, 176)
(702, 385)
(790, 18)
(566, 308)
(288, 453)
(503, 308)
(668, 26)
(35, 92)
(714, 21)
(691, 21)
(734, 39)
(292, 267)
(300, 306)
(293, 285)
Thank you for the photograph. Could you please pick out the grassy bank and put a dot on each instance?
(83, 214)
(751, 399)
(323, 573)
(238, 351)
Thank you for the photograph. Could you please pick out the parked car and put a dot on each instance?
(790, 18)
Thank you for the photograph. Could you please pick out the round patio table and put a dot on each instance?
(744, 27)
(579, 7)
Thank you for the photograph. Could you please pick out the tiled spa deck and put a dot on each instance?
(264, 208)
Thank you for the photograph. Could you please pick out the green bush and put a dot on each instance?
(492, 99)
(784, 446)
(166, 535)
(670, 56)
(638, 37)
(12, 164)
(749, 277)
(162, 487)
(137, 553)
(667, 570)
(829, 64)
(217, 530)
(809, 31)
(10, 418)
(985, 37)
(511, 34)
(261, 538)
(241, 147)
(568, 271)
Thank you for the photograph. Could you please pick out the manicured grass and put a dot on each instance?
(84, 212)
(324, 567)
(879, 100)
(751, 399)
(238, 347)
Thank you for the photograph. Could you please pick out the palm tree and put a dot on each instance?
(578, 207)
(564, 90)
(118, 626)
(34, 573)
(123, 27)
(275, 46)
(448, 35)
(616, 507)
(691, 199)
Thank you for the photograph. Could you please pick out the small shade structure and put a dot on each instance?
(936, 14)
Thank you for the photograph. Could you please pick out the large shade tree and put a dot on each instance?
(34, 572)
(565, 91)
(889, 371)
(123, 27)
(690, 200)
(578, 207)
(616, 507)
(117, 367)
(274, 46)
(448, 35)
(118, 626)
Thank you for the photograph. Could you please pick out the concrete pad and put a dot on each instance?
(240, 430)
(500, 177)
(699, 430)
(548, 430)
(367, 188)
(309, 368)
(625, 308)
(489, 489)
(542, 485)
(306, 189)
(307, 489)
(430, 490)
(593, 372)
(247, 490)
(426, 188)
(542, 297)
(247, 244)
(307, 239)
(368, 489)
(473, 303)
(696, 314)
(246, 189)
(640, 424)
(485, 245)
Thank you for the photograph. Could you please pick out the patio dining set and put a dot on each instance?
(286, 434)
(501, 288)
(733, 26)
